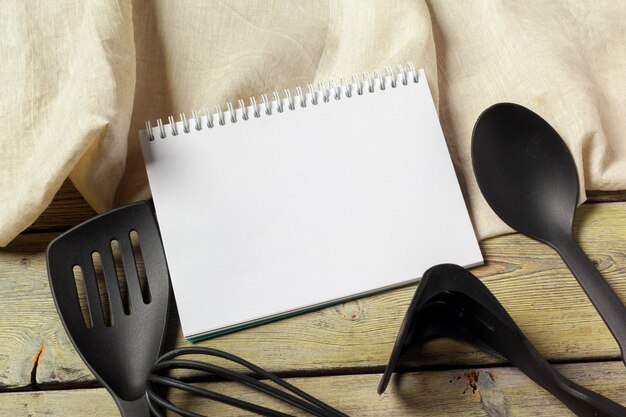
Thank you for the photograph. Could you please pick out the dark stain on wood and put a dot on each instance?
(481, 386)
(33, 372)
(472, 380)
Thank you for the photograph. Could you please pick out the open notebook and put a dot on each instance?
(302, 200)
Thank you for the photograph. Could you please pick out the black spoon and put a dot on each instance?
(528, 176)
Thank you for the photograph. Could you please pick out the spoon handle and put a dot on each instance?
(597, 289)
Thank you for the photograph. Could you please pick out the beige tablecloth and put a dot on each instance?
(78, 79)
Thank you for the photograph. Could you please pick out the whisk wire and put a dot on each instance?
(167, 362)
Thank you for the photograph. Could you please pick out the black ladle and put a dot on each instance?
(528, 176)
(451, 302)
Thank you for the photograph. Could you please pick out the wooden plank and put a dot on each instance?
(600, 196)
(528, 278)
(68, 208)
(501, 391)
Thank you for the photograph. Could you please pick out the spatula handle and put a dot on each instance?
(136, 408)
(597, 289)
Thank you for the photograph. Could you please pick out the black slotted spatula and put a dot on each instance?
(121, 342)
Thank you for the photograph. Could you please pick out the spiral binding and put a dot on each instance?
(290, 102)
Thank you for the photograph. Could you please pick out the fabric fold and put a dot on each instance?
(68, 78)
(78, 80)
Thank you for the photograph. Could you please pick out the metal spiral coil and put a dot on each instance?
(323, 94)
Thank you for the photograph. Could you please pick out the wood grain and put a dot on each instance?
(501, 391)
(68, 208)
(527, 277)
(599, 196)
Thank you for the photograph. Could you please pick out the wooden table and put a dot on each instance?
(338, 353)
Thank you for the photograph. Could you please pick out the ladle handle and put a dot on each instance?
(582, 401)
(597, 289)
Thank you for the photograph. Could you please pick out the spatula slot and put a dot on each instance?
(140, 265)
(81, 291)
(121, 276)
(97, 273)
(102, 289)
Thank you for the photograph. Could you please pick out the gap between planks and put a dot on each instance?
(502, 391)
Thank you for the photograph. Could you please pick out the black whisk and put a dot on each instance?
(160, 377)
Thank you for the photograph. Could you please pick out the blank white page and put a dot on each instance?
(273, 215)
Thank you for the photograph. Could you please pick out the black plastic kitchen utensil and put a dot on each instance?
(160, 377)
(120, 346)
(452, 302)
(528, 176)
